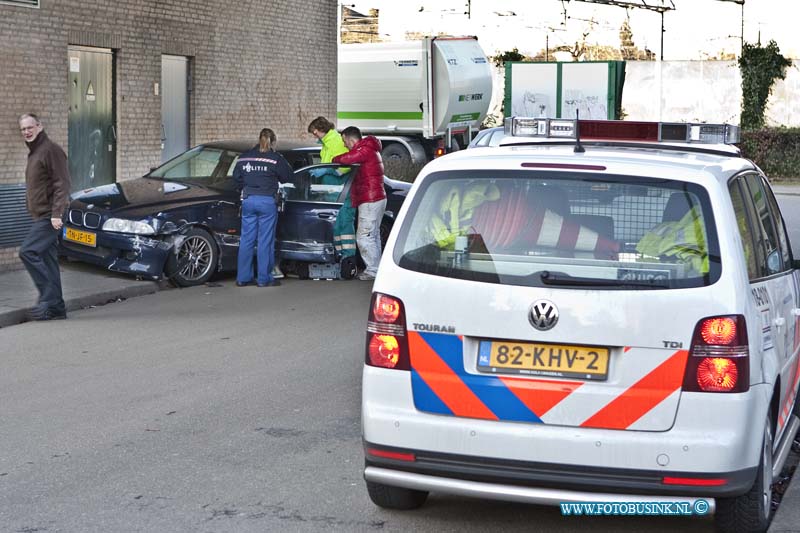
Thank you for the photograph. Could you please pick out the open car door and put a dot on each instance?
(311, 202)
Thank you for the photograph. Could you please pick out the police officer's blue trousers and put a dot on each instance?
(259, 218)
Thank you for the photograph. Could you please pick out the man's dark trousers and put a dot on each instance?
(39, 253)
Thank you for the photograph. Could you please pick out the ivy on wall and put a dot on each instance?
(760, 67)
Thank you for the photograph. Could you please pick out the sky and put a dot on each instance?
(696, 29)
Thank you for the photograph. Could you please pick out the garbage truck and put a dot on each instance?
(420, 98)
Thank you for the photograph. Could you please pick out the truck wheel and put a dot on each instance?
(397, 153)
(751, 512)
(195, 261)
(395, 497)
(396, 160)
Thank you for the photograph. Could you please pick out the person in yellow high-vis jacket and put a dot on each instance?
(456, 210)
(344, 232)
(684, 239)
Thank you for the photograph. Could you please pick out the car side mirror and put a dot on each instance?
(796, 264)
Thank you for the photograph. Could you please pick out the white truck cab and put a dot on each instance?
(600, 311)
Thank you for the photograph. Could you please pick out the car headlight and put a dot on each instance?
(128, 226)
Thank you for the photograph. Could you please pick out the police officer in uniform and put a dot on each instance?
(257, 174)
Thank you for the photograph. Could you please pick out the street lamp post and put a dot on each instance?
(741, 3)
(662, 8)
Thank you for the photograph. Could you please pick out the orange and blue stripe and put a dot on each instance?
(442, 385)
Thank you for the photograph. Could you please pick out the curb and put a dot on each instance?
(787, 517)
(18, 316)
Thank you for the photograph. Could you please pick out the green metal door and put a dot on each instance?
(174, 106)
(92, 132)
(558, 89)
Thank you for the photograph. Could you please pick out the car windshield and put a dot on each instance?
(488, 137)
(563, 230)
(204, 165)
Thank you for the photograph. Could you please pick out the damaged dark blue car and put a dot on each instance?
(181, 220)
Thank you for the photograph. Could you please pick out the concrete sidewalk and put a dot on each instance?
(83, 285)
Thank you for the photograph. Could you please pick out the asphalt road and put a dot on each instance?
(790, 209)
(217, 409)
(212, 409)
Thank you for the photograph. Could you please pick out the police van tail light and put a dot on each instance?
(387, 339)
(719, 359)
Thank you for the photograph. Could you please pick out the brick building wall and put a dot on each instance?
(9, 259)
(254, 64)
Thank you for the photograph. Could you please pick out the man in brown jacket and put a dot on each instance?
(48, 183)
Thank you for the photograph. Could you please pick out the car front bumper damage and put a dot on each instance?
(130, 254)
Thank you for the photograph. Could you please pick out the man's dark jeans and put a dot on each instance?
(39, 253)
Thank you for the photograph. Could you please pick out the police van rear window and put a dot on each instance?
(560, 229)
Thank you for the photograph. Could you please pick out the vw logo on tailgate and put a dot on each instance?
(543, 315)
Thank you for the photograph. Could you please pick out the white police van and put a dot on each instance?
(601, 312)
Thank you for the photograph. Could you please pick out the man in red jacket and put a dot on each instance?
(367, 195)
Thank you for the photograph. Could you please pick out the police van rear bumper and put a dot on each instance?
(700, 446)
(539, 483)
(495, 491)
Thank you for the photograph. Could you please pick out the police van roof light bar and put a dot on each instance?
(623, 130)
(579, 149)
(540, 127)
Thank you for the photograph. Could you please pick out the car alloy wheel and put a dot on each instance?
(195, 260)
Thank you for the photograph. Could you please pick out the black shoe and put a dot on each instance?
(244, 284)
(273, 283)
(48, 314)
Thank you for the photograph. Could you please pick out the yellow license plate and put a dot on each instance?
(87, 238)
(557, 360)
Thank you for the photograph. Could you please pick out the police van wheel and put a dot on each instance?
(796, 410)
(751, 511)
(395, 497)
